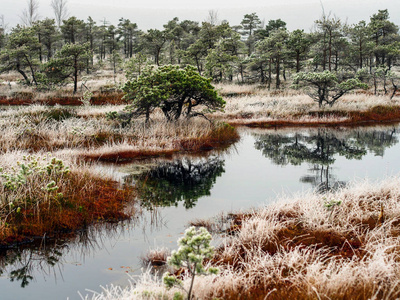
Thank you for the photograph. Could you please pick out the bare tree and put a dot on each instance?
(2, 30)
(30, 14)
(60, 10)
(3, 23)
(212, 17)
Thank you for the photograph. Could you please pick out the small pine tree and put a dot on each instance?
(194, 247)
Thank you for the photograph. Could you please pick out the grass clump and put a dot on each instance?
(156, 257)
(43, 196)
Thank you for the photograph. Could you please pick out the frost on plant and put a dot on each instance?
(194, 247)
(30, 174)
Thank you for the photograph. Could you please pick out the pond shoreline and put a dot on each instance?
(306, 246)
(375, 115)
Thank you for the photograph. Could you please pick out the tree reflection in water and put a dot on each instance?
(20, 264)
(320, 147)
(25, 262)
(183, 180)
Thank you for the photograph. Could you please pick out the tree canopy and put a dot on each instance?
(174, 90)
(326, 87)
(68, 63)
(248, 52)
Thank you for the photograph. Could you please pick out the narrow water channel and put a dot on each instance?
(264, 165)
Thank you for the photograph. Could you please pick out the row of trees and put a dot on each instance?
(49, 51)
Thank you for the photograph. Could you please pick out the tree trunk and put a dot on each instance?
(269, 73)
(75, 75)
(330, 52)
(277, 71)
(24, 75)
(40, 48)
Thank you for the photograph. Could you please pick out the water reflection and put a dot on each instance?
(184, 180)
(320, 148)
(46, 257)
(20, 264)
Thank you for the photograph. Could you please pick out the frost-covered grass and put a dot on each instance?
(343, 245)
(297, 108)
(87, 132)
(95, 82)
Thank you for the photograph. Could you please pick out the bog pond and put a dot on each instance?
(265, 165)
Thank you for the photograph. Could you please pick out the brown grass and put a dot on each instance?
(86, 132)
(262, 109)
(165, 139)
(97, 99)
(156, 257)
(82, 198)
(304, 248)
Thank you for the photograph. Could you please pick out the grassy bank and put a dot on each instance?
(342, 245)
(88, 133)
(259, 108)
(42, 196)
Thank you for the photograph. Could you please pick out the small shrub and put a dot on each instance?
(85, 99)
(59, 113)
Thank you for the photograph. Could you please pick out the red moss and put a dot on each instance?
(221, 136)
(128, 155)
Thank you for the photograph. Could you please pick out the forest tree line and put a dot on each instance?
(47, 52)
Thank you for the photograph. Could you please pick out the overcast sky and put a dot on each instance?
(154, 13)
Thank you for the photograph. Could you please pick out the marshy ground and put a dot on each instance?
(341, 245)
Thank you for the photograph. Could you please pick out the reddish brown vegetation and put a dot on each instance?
(156, 258)
(128, 155)
(377, 114)
(220, 137)
(97, 99)
(383, 114)
(344, 246)
(84, 200)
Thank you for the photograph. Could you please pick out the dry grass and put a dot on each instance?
(301, 109)
(156, 257)
(86, 132)
(251, 105)
(344, 245)
(104, 86)
(41, 195)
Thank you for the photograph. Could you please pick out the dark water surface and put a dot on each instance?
(254, 172)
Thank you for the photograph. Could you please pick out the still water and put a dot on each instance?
(263, 166)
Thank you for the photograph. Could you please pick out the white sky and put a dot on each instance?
(154, 13)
